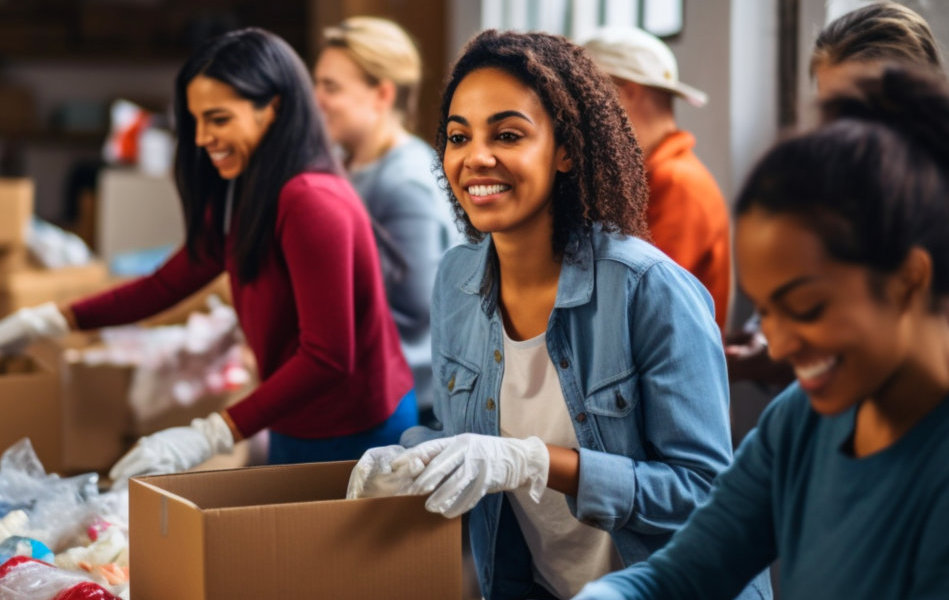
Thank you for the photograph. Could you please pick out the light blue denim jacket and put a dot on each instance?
(641, 367)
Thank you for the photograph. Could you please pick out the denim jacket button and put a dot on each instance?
(564, 363)
(620, 401)
(497, 356)
(489, 404)
(581, 417)
(451, 383)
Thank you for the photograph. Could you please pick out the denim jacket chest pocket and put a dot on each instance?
(615, 406)
(458, 379)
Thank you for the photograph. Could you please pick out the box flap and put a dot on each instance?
(276, 484)
(166, 545)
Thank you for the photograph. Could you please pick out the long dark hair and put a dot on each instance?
(606, 184)
(874, 181)
(259, 66)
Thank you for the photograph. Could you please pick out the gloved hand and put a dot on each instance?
(465, 467)
(373, 477)
(175, 449)
(599, 590)
(26, 325)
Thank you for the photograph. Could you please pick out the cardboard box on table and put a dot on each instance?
(31, 286)
(30, 407)
(99, 425)
(285, 532)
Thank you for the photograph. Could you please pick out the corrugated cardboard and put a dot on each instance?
(13, 258)
(98, 424)
(285, 532)
(32, 286)
(29, 405)
(16, 208)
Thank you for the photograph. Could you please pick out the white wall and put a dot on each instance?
(702, 51)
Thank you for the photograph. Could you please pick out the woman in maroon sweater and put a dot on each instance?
(263, 200)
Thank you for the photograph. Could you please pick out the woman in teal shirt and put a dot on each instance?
(842, 243)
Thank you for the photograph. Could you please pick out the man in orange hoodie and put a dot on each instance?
(687, 215)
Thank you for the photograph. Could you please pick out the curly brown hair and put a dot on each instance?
(606, 185)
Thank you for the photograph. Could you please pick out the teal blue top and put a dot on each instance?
(874, 527)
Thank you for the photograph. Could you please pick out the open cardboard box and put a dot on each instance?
(29, 403)
(285, 532)
(98, 423)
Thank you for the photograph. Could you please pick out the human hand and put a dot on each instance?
(746, 355)
(26, 325)
(463, 468)
(175, 449)
(373, 477)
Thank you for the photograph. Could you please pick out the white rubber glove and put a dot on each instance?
(372, 477)
(465, 467)
(26, 325)
(175, 449)
(599, 590)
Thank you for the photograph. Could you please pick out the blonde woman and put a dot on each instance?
(367, 79)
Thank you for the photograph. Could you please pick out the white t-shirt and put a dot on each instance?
(566, 553)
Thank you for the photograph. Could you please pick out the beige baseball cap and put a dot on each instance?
(634, 55)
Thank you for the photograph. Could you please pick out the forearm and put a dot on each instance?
(564, 474)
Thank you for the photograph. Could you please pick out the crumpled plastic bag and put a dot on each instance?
(28, 579)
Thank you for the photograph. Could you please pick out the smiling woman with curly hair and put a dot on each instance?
(605, 185)
(577, 368)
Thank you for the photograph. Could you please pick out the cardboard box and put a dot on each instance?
(285, 532)
(16, 209)
(12, 259)
(29, 403)
(136, 211)
(99, 425)
(33, 286)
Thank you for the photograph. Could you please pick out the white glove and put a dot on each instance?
(175, 449)
(465, 467)
(599, 590)
(26, 325)
(373, 477)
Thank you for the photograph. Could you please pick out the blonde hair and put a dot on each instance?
(384, 51)
(884, 31)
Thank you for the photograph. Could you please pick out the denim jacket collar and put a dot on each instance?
(574, 288)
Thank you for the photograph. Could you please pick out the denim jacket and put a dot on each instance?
(640, 363)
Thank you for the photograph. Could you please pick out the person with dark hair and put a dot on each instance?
(264, 201)
(856, 45)
(843, 245)
(862, 41)
(367, 78)
(578, 370)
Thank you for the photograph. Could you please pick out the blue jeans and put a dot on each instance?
(286, 450)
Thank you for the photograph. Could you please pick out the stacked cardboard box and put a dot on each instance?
(21, 282)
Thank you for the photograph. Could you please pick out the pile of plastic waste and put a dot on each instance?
(60, 538)
(175, 365)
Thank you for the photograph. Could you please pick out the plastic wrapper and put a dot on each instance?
(58, 508)
(28, 579)
(176, 365)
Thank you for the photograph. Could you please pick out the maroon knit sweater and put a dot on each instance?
(316, 316)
